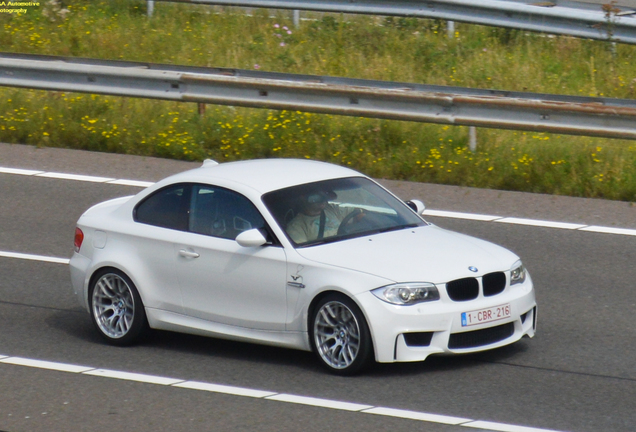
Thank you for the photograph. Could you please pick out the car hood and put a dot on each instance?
(423, 254)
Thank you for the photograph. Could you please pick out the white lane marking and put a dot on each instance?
(428, 212)
(19, 171)
(501, 427)
(610, 230)
(323, 403)
(279, 397)
(459, 215)
(41, 364)
(137, 183)
(77, 177)
(414, 415)
(151, 379)
(217, 388)
(530, 222)
(34, 257)
(540, 223)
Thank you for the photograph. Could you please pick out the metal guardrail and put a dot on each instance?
(603, 22)
(604, 117)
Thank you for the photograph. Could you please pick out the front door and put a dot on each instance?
(222, 281)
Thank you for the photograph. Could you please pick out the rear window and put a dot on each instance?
(167, 208)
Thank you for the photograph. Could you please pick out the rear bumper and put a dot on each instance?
(79, 266)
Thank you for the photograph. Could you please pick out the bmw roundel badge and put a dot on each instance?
(473, 269)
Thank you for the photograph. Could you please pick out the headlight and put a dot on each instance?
(407, 293)
(517, 273)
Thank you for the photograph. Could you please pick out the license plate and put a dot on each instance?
(486, 315)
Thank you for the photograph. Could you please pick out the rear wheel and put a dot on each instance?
(340, 335)
(116, 307)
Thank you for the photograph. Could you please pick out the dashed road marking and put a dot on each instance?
(137, 183)
(530, 222)
(127, 376)
(317, 402)
(19, 171)
(75, 177)
(460, 215)
(268, 395)
(414, 415)
(501, 427)
(31, 257)
(42, 364)
(218, 388)
(540, 223)
(610, 230)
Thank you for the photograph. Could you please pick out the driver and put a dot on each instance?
(317, 218)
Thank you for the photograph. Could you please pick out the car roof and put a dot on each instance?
(265, 175)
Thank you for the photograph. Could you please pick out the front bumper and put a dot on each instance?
(412, 333)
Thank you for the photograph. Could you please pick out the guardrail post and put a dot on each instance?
(472, 138)
(150, 6)
(296, 18)
(450, 29)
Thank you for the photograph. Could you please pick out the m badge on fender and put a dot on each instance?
(297, 279)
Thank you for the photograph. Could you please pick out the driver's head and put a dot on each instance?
(315, 202)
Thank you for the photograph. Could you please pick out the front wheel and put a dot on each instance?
(116, 307)
(340, 335)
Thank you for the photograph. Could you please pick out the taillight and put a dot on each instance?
(79, 238)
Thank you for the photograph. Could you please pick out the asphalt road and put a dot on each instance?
(577, 374)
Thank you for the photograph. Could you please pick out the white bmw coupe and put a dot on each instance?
(298, 254)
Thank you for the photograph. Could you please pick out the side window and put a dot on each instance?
(167, 208)
(222, 213)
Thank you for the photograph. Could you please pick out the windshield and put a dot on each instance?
(338, 209)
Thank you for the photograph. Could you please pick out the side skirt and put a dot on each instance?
(164, 320)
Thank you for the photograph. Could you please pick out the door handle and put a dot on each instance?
(188, 254)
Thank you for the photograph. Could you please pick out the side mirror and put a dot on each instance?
(417, 206)
(251, 238)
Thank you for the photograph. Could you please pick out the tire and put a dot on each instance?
(340, 335)
(116, 308)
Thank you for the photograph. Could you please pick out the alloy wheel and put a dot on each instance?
(113, 305)
(336, 335)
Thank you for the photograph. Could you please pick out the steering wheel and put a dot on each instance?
(343, 228)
